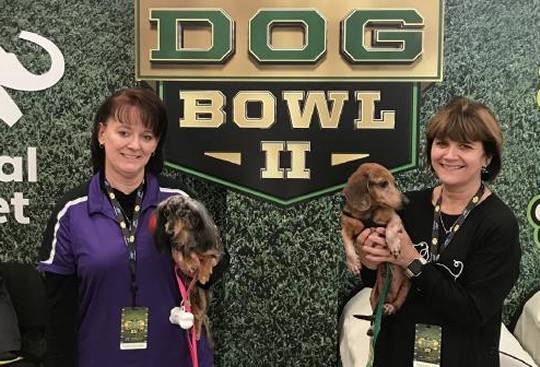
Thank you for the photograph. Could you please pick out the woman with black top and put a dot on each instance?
(460, 250)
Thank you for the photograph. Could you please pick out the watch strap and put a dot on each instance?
(414, 268)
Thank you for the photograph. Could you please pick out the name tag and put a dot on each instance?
(134, 328)
(427, 345)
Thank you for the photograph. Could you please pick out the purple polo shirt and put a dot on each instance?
(87, 241)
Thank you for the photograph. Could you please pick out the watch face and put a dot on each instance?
(415, 267)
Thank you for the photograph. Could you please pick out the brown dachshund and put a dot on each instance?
(371, 199)
(185, 230)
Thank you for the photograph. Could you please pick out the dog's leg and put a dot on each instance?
(378, 287)
(397, 292)
(402, 285)
(199, 304)
(350, 229)
(388, 217)
(393, 229)
(375, 293)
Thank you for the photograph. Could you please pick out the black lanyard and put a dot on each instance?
(436, 250)
(128, 232)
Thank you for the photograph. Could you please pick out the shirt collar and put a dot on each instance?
(98, 202)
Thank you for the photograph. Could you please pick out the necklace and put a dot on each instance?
(447, 231)
(129, 221)
(437, 248)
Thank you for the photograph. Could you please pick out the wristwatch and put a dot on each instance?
(414, 268)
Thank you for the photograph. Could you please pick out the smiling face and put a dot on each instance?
(458, 164)
(128, 146)
(472, 129)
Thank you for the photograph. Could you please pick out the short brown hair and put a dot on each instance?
(464, 120)
(153, 115)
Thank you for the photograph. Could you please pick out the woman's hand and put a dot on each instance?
(408, 252)
(373, 250)
(371, 247)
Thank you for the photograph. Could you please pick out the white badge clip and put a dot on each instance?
(180, 317)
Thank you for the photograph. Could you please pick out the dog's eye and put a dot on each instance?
(383, 184)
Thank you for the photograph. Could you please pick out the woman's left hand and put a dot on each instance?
(373, 249)
(376, 250)
(408, 253)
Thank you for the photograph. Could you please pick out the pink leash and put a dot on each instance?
(192, 341)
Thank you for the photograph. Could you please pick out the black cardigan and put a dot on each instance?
(464, 292)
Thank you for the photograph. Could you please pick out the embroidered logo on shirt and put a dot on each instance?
(423, 249)
(457, 268)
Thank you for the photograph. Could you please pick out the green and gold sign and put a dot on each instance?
(284, 100)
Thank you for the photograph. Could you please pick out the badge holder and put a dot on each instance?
(134, 328)
(427, 345)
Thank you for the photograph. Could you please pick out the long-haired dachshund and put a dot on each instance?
(371, 199)
(185, 230)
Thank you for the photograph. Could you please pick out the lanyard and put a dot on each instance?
(192, 341)
(435, 250)
(128, 232)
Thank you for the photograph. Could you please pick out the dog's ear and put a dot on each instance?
(356, 191)
(195, 219)
(161, 238)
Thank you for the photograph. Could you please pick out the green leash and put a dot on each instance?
(379, 312)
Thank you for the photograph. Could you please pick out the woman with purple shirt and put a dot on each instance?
(110, 291)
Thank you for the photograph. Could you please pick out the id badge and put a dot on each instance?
(134, 328)
(427, 345)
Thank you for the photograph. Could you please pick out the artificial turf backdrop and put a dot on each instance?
(278, 303)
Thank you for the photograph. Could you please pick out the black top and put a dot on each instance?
(463, 292)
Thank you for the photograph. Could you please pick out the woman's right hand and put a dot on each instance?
(371, 247)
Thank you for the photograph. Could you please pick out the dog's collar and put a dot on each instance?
(367, 222)
(349, 214)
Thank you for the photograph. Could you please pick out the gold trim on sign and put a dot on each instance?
(230, 157)
(340, 158)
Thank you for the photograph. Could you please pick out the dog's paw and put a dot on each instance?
(394, 245)
(353, 264)
(389, 309)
